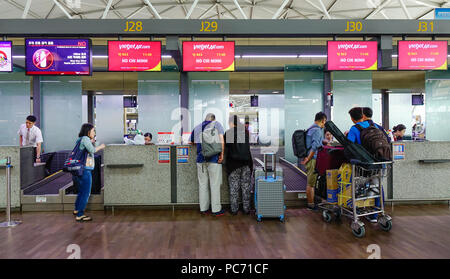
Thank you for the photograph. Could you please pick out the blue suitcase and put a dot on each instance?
(270, 191)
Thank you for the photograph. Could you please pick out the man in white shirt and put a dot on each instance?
(30, 135)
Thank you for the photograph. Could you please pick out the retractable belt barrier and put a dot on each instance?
(8, 222)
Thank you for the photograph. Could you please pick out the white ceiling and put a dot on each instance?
(220, 9)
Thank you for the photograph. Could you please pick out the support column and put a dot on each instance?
(385, 108)
(90, 108)
(326, 91)
(184, 102)
(36, 89)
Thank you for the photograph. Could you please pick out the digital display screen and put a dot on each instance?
(253, 101)
(6, 64)
(422, 55)
(417, 100)
(208, 56)
(352, 55)
(136, 56)
(58, 57)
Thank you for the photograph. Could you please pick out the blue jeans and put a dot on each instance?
(84, 185)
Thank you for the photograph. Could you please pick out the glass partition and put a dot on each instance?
(271, 119)
(14, 105)
(209, 93)
(350, 89)
(303, 99)
(61, 110)
(109, 119)
(159, 103)
(437, 88)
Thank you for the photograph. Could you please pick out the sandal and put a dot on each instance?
(83, 218)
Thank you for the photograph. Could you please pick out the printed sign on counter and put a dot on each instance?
(166, 138)
(163, 155)
(134, 56)
(208, 56)
(399, 151)
(352, 55)
(182, 154)
(422, 55)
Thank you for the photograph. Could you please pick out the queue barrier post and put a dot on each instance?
(8, 222)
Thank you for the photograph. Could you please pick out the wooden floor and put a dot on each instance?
(418, 232)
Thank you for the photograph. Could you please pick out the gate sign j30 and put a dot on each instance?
(352, 55)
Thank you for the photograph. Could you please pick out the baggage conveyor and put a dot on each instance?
(57, 192)
(294, 178)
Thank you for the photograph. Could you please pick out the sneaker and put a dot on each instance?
(206, 212)
(314, 208)
(220, 213)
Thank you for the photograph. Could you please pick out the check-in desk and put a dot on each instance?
(422, 172)
(152, 175)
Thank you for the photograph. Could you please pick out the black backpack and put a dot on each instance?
(240, 149)
(299, 143)
(374, 141)
(352, 151)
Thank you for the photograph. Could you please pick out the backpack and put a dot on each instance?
(240, 149)
(374, 141)
(352, 151)
(299, 143)
(76, 161)
(211, 144)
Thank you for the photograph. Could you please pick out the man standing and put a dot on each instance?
(30, 135)
(314, 138)
(209, 168)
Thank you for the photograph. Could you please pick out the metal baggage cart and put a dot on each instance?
(366, 184)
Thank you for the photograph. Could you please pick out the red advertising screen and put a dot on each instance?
(422, 55)
(132, 56)
(208, 56)
(352, 55)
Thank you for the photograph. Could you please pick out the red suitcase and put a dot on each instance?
(329, 158)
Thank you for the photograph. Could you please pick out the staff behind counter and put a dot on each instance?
(30, 135)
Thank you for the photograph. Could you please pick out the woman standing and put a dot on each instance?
(239, 164)
(84, 182)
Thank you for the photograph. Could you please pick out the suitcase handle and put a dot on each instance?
(273, 166)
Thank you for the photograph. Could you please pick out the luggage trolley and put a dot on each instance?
(366, 183)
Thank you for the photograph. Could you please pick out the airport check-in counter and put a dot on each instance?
(421, 171)
(153, 175)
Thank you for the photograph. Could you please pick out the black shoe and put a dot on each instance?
(313, 208)
(234, 213)
(206, 212)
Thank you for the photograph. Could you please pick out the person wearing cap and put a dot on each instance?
(30, 135)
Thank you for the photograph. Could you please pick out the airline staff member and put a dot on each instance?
(30, 135)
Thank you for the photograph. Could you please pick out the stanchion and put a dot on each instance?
(8, 222)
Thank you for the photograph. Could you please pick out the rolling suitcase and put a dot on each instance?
(328, 158)
(269, 191)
